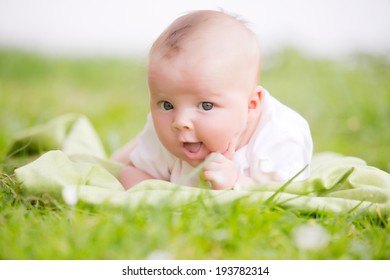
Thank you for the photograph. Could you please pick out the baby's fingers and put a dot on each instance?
(229, 153)
(215, 158)
(216, 178)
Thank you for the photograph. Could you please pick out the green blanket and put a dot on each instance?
(72, 157)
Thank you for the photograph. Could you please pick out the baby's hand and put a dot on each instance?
(221, 172)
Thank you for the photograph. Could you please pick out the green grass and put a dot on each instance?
(347, 104)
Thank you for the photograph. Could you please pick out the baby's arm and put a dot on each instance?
(122, 155)
(130, 176)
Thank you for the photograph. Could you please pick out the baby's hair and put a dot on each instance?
(175, 36)
(169, 42)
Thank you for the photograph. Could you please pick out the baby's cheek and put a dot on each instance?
(218, 136)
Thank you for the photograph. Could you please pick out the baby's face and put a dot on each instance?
(197, 110)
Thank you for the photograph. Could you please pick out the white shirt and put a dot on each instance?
(280, 147)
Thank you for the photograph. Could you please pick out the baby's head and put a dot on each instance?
(208, 41)
(203, 77)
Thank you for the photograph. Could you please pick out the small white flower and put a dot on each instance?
(220, 234)
(311, 237)
(160, 255)
(69, 194)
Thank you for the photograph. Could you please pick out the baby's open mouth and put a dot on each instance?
(192, 147)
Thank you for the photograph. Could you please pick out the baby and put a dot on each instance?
(206, 107)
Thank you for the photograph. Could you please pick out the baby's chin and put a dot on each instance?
(195, 162)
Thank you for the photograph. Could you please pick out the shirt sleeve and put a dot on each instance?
(150, 155)
(282, 160)
(283, 147)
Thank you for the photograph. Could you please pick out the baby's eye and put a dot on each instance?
(207, 106)
(165, 105)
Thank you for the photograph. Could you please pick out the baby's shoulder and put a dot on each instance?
(284, 118)
(280, 125)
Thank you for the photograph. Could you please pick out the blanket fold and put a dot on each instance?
(71, 154)
(71, 133)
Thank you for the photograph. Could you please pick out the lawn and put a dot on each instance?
(346, 102)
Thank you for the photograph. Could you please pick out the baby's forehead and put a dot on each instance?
(204, 28)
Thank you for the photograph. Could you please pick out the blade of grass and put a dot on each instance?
(284, 186)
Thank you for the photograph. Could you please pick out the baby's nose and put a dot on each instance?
(182, 121)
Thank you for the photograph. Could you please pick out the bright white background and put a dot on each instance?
(278, 270)
(120, 27)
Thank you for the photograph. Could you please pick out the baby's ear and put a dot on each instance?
(255, 98)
